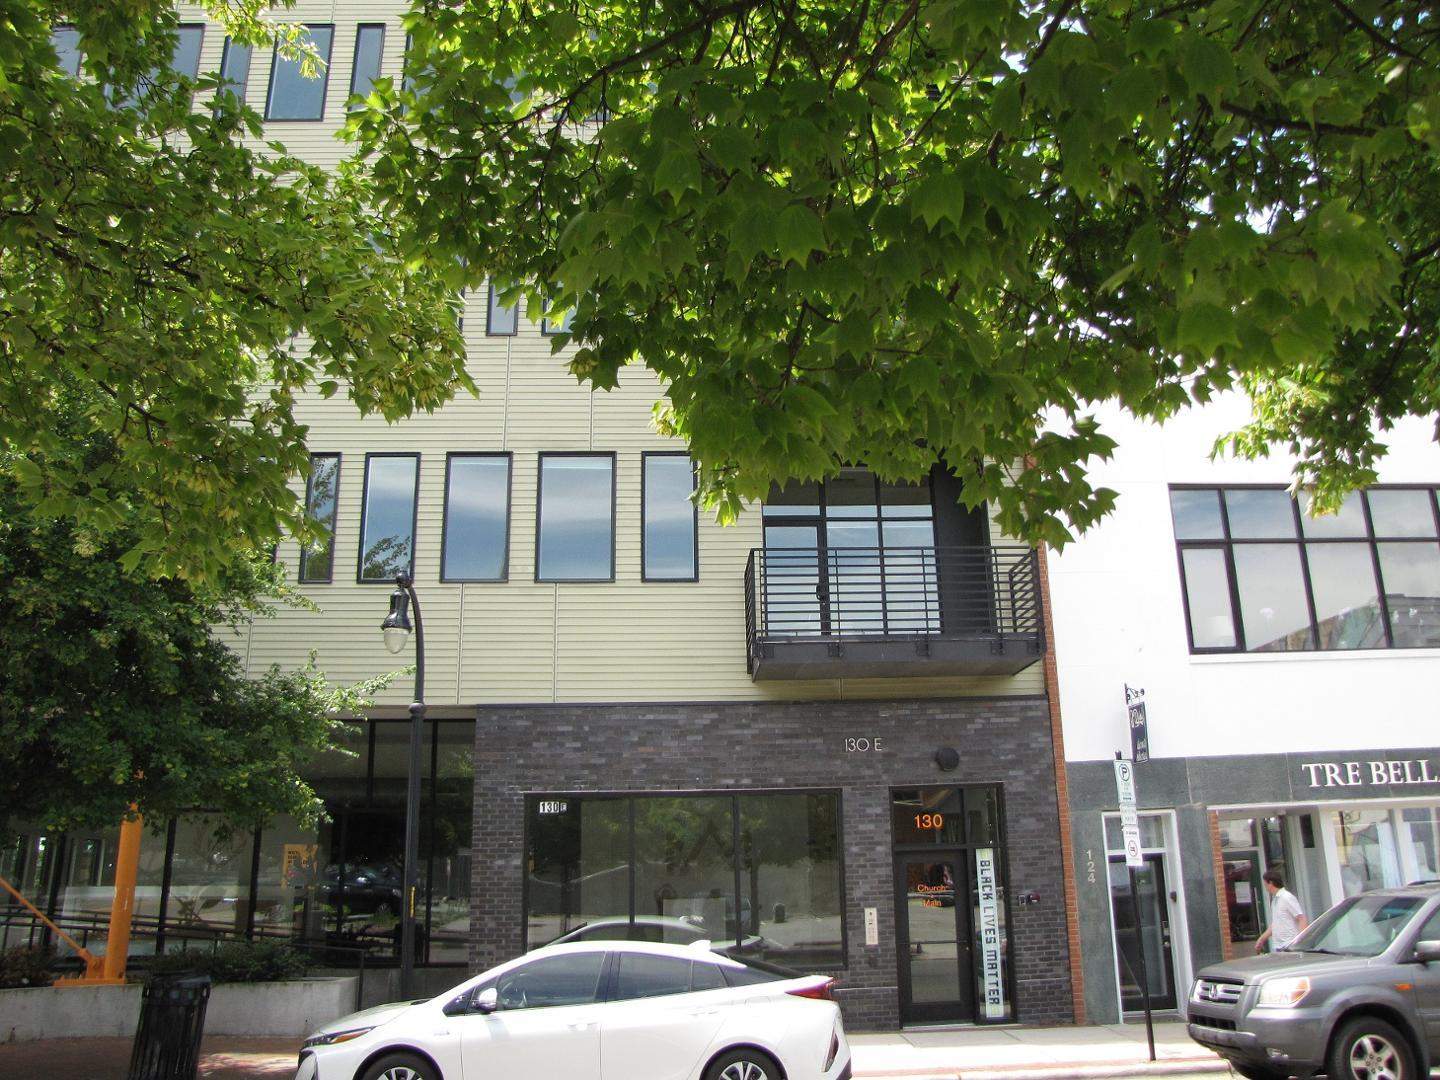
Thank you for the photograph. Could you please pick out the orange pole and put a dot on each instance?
(122, 908)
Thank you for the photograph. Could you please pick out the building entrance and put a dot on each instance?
(950, 924)
(933, 937)
(1151, 935)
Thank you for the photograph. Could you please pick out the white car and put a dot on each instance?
(599, 1010)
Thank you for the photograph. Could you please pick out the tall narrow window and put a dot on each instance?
(477, 518)
(387, 524)
(550, 326)
(66, 40)
(294, 95)
(317, 563)
(369, 51)
(186, 57)
(576, 540)
(235, 68)
(669, 535)
(501, 321)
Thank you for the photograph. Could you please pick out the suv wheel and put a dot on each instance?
(1369, 1049)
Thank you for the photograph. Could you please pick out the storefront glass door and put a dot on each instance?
(933, 937)
(1151, 935)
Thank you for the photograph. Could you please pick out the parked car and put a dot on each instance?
(1356, 996)
(645, 1009)
(366, 888)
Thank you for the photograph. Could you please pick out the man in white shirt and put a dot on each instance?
(1286, 918)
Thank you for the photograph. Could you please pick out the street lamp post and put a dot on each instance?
(397, 630)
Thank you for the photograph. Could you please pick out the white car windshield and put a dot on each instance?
(1363, 925)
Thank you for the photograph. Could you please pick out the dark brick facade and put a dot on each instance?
(571, 749)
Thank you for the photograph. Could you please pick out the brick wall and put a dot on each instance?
(572, 749)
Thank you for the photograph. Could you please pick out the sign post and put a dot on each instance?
(1130, 830)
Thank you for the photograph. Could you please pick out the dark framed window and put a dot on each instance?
(852, 554)
(550, 327)
(575, 534)
(668, 537)
(292, 95)
(317, 563)
(753, 869)
(66, 40)
(185, 60)
(475, 545)
(235, 68)
(1261, 575)
(369, 53)
(501, 321)
(387, 517)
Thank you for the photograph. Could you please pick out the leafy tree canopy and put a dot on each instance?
(117, 689)
(896, 231)
(194, 283)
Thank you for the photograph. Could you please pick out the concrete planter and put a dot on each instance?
(278, 1008)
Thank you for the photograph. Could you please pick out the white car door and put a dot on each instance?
(547, 1025)
(662, 1017)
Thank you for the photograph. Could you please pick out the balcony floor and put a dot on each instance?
(823, 657)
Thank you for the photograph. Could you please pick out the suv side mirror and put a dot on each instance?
(1427, 952)
(488, 1000)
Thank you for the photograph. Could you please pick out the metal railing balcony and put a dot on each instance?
(818, 613)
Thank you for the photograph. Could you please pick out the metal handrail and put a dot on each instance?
(881, 592)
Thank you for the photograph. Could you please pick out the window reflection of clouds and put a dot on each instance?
(669, 517)
(476, 518)
(386, 547)
(576, 517)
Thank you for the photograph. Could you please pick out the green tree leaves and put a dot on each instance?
(899, 232)
(197, 287)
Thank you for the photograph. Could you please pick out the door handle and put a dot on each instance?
(583, 1025)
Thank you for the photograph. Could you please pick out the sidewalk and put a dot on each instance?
(1015, 1053)
(1031, 1053)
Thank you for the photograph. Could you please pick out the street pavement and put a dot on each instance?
(1090, 1052)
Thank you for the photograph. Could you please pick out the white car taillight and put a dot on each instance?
(834, 1049)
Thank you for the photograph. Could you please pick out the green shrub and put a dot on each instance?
(26, 966)
(237, 962)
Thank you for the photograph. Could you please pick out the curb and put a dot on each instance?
(1059, 1071)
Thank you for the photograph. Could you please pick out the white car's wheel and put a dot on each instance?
(401, 1067)
(743, 1064)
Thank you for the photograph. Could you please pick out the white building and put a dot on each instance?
(1288, 666)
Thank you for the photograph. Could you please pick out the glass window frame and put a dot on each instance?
(544, 456)
(509, 459)
(71, 69)
(360, 578)
(237, 88)
(492, 300)
(735, 798)
(1303, 543)
(276, 59)
(360, 30)
(645, 574)
(301, 576)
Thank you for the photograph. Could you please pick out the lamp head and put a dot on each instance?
(396, 626)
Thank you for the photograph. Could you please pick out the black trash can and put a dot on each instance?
(172, 1019)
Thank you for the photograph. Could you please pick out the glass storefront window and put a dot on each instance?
(668, 868)
(1365, 844)
(209, 880)
(1422, 833)
(790, 876)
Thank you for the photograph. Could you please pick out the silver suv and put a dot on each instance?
(1356, 996)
